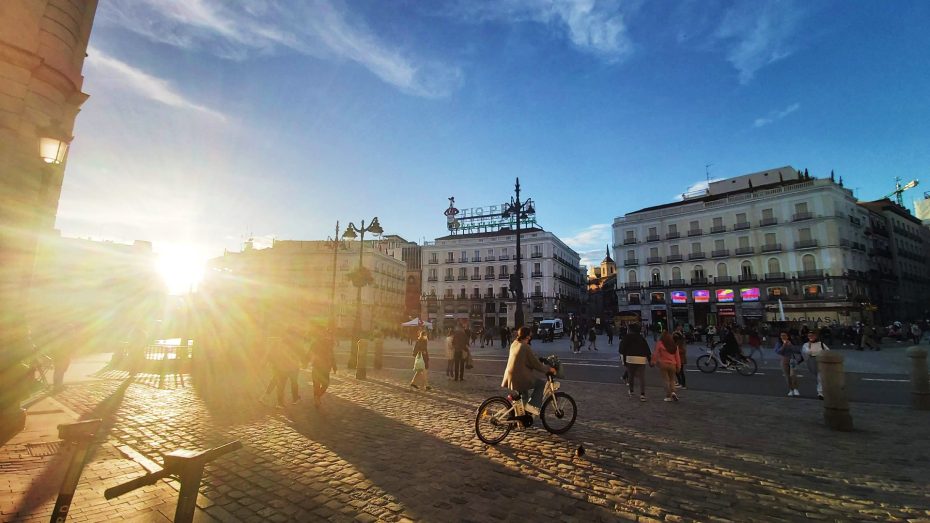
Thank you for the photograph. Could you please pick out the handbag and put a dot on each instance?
(418, 363)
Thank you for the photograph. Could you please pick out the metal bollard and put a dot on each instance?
(379, 353)
(360, 368)
(920, 380)
(77, 438)
(835, 400)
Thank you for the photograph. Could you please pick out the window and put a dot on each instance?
(653, 232)
(746, 268)
(673, 229)
(774, 265)
(462, 292)
(537, 290)
(718, 222)
(433, 257)
(489, 271)
(631, 254)
(653, 252)
(775, 293)
(676, 273)
(450, 257)
(537, 268)
(770, 238)
(808, 262)
(477, 255)
(804, 234)
(743, 242)
(432, 274)
(800, 208)
(674, 250)
(634, 299)
(476, 273)
(740, 217)
(719, 245)
(504, 270)
(463, 256)
(462, 273)
(449, 273)
(698, 272)
(722, 270)
(630, 236)
(631, 277)
(656, 276)
(695, 225)
(695, 248)
(768, 214)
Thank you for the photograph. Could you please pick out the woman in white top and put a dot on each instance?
(811, 350)
(450, 353)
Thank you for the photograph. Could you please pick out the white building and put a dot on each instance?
(468, 275)
(743, 250)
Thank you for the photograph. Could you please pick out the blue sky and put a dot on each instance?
(209, 120)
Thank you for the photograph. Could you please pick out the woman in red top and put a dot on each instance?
(667, 358)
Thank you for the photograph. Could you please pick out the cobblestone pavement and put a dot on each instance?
(381, 451)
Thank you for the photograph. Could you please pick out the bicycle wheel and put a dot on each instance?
(747, 367)
(558, 416)
(706, 363)
(491, 423)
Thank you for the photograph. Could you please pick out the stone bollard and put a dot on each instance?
(362, 362)
(835, 400)
(920, 380)
(379, 353)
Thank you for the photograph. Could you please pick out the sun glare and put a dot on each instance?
(181, 268)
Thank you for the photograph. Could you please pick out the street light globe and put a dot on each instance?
(52, 150)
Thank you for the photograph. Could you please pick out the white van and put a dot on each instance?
(556, 326)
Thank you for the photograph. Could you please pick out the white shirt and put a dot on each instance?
(813, 349)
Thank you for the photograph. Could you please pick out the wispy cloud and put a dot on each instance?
(758, 34)
(143, 84)
(591, 243)
(324, 29)
(594, 26)
(776, 115)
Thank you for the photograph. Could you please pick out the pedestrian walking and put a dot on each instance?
(504, 336)
(682, 345)
(610, 333)
(811, 350)
(420, 363)
(459, 349)
(322, 362)
(755, 345)
(286, 356)
(636, 355)
(592, 339)
(790, 358)
(669, 363)
(450, 354)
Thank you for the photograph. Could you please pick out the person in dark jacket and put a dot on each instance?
(636, 355)
(459, 349)
(421, 376)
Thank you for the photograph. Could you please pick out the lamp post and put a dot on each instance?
(521, 210)
(360, 278)
(335, 243)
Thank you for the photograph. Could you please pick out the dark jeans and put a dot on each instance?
(681, 376)
(634, 370)
(458, 364)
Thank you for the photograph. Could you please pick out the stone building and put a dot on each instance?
(42, 49)
(409, 253)
(748, 249)
(293, 285)
(467, 276)
(602, 291)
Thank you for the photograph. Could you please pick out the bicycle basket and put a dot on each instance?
(554, 362)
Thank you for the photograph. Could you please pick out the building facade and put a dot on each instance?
(900, 251)
(601, 303)
(293, 285)
(42, 49)
(409, 253)
(467, 276)
(765, 246)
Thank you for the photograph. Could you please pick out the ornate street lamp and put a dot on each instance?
(521, 211)
(360, 278)
(53, 150)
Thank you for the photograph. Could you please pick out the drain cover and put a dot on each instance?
(40, 450)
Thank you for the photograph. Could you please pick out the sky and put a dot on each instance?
(212, 121)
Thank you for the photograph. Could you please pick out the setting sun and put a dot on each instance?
(181, 268)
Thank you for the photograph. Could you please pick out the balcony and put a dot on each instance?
(503, 295)
(629, 241)
(676, 281)
(475, 276)
(537, 294)
(745, 251)
(536, 255)
(766, 222)
(654, 284)
(462, 277)
(450, 260)
(449, 278)
(489, 276)
(801, 216)
(537, 274)
(772, 247)
(748, 277)
(812, 273)
(718, 229)
(489, 258)
(805, 244)
(432, 278)
(463, 260)
(503, 276)
(634, 285)
(462, 297)
(476, 296)
(476, 259)
(695, 232)
(653, 260)
(674, 258)
(699, 281)
(630, 262)
(503, 257)
(723, 279)
(720, 253)
(672, 236)
(741, 226)
(489, 295)
(652, 238)
(697, 256)
(775, 276)
(433, 261)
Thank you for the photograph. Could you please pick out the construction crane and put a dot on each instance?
(899, 190)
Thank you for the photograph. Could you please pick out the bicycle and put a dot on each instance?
(498, 415)
(710, 360)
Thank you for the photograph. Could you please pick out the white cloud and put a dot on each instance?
(758, 34)
(319, 28)
(144, 84)
(776, 115)
(594, 26)
(591, 243)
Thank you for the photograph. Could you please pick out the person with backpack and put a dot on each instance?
(636, 354)
(811, 350)
(790, 359)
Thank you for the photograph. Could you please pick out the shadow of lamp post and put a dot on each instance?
(360, 278)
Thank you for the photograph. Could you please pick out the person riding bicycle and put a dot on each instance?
(730, 351)
(519, 375)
